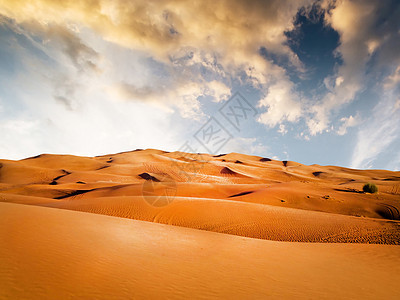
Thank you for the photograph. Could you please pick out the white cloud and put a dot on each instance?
(339, 80)
(304, 136)
(346, 123)
(182, 96)
(282, 129)
(282, 104)
(218, 90)
(377, 133)
(320, 121)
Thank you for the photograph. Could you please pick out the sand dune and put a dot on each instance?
(57, 254)
(243, 218)
(146, 223)
(232, 193)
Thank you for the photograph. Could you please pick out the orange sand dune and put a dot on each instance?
(234, 193)
(58, 254)
(244, 219)
(126, 225)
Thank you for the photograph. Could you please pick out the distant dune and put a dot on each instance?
(254, 214)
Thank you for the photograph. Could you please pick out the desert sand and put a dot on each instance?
(154, 224)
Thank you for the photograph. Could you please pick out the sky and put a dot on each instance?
(317, 82)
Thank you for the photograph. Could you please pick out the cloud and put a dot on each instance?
(282, 103)
(163, 27)
(377, 133)
(381, 131)
(393, 79)
(282, 129)
(83, 57)
(183, 95)
(362, 35)
(53, 39)
(346, 123)
(218, 90)
(53, 54)
(224, 36)
(64, 91)
(52, 105)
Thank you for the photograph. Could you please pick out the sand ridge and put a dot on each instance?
(232, 193)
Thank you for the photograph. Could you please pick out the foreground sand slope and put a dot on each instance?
(244, 219)
(50, 253)
(229, 193)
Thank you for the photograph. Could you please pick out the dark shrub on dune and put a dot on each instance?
(265, 159)
(370, 188)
